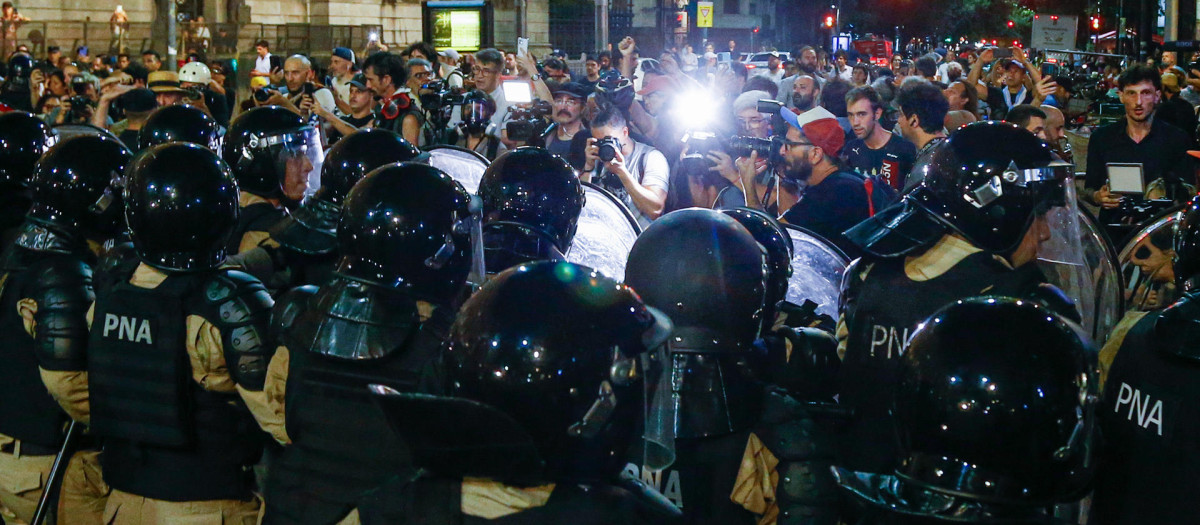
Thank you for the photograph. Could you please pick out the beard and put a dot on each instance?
(798, 170)
(803, 103)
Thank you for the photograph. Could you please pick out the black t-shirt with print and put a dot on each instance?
(891, 163)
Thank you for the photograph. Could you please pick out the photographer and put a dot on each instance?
(301, 91)
(477, 111)
(196, 79)
(634, 172)
(566, 140)
(80, 107)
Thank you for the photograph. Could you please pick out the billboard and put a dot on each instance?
(465, 26)
(1054, 31)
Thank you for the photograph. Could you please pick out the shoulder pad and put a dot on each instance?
(288, 308)
(811, 369)
(261, 216)
(851, 282)
(311, 229)
(240, 307)
(63, 292)
(796, 430)
(1178, 328)
(1055, 299)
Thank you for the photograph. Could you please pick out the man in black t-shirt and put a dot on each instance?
(874, 151)
(835, 199)
(362, 111)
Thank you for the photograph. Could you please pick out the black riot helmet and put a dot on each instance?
(987, 182)
(20, 66)
(23, 140)
(1187, 247)
(259, 144)
(408, 226)
(778, 242)
(312, 228)
(531, 205)
(705, 270)
(560, 349)
(181, 205)
(180, 123)
(77, 185)
(995, 404)
(477, 111)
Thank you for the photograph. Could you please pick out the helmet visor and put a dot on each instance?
(1072, 258)
(659, 433)
(298, 160)
(476, 116)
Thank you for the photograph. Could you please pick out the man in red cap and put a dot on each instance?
(833, 198)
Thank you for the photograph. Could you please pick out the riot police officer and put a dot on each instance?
(797, 350)
(735, 439)
(1148, 413)
(302, 248)
(182, 123)
(23, 140)
(551, 366)
(271, 151)
(406, 244)
(531, 205)
(995, 416)
(47, 290)
(973, 227)
(177, 351)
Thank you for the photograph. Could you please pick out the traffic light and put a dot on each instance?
(828, 20)
(1011, 24)
(1096, 22)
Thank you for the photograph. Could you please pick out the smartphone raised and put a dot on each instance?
(522, 46)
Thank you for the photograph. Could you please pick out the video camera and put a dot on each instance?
(528, 123)
(437, 94)
(703, 142)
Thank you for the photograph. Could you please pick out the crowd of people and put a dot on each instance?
(284, 309)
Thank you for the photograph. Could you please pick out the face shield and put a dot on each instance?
(297, 157)
(476, 116)
(1070, 251)
(460, 164)
(658, 435)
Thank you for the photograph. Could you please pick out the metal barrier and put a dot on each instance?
(226, 40)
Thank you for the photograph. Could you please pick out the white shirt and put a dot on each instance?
(847, 73)
(342, 87)
(263, 64)
(775, 76)
(502, 105)
(653, 172)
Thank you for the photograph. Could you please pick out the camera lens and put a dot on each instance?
(607, 149)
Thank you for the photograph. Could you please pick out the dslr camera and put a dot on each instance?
(607, 148)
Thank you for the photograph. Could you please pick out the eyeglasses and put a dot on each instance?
(751, 122)
(423, 74)
(789, 143)
(484, 71)
(566, 101)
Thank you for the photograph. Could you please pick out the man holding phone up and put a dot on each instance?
(1140, 138)
(1017, 89)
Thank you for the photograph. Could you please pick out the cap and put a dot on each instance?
(139, 100)
(659, 83)
(164, 82)
(449, 53)
(344, 53)
(574, 89)
(1015, 63)
(84, 78)
(819, 126)
(259, 82)
(359, 81)
(1170, 81)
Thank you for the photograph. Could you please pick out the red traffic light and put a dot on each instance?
(1095, 22)
(1011, 24)
(828, 20)
(755, 29)
(1054, 17)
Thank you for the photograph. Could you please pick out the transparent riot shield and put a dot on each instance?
(463, 165)
(605, 235)
(817, 268)
(1146, 264)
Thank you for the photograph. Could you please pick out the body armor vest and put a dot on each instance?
(1149, 418)
(257, 217)
(880, 314)
(27, 412)
(165, 436)
(428, 501)
(342, 445)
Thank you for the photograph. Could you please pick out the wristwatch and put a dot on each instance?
(535, 77)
